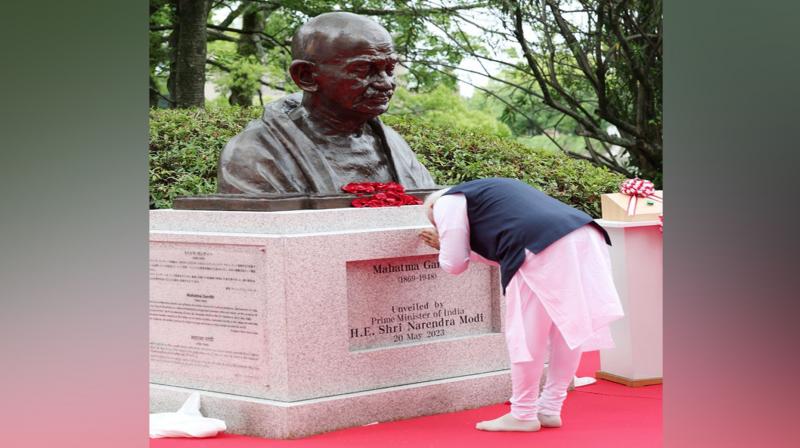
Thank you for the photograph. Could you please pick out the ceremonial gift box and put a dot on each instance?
(615, 207)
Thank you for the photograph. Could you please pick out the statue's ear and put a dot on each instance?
(304, 75)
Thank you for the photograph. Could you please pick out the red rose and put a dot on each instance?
(389, 194)
(393, 186)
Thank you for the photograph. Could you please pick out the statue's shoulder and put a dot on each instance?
(282, 107)
(393, 138)
(259, 135)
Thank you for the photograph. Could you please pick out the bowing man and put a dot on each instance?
(555, 272)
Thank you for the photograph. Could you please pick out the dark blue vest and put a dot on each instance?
(507, 216)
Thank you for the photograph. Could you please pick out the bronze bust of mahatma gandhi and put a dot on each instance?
(328, 135)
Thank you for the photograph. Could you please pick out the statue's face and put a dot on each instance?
(358, 76)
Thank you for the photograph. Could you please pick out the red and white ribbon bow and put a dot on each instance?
(638, 188)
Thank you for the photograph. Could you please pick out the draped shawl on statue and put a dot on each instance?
(274, 155)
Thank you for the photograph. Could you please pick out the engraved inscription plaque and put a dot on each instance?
(406, 300)
(206, 315)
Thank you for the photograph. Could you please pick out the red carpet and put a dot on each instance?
(597, 416)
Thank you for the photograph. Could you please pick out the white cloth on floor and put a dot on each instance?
(187, 422)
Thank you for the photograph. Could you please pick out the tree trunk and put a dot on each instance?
(249, 45)
(648, 168)
(172, 43)
(154, 97)
(190, 58)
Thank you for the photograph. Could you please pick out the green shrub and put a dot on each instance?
(185, 146)
(457, 155)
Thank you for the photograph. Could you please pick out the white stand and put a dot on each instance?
(636, 259)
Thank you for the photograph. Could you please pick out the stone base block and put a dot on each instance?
(289, 420)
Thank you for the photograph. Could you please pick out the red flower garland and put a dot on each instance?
(390, 194)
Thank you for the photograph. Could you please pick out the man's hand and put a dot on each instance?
(430, 237)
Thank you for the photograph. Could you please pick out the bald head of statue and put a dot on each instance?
(344, 63)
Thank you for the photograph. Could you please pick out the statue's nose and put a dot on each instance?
(383, 81)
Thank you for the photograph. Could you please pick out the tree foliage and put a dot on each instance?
(598, 62)
(260, 32)
(444, 107)
(594, 65)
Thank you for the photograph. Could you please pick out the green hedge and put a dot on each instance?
(455, 155)
(185, 146)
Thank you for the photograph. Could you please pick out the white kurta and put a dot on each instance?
(571, 278)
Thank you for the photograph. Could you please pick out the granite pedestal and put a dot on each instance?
(292, 323)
